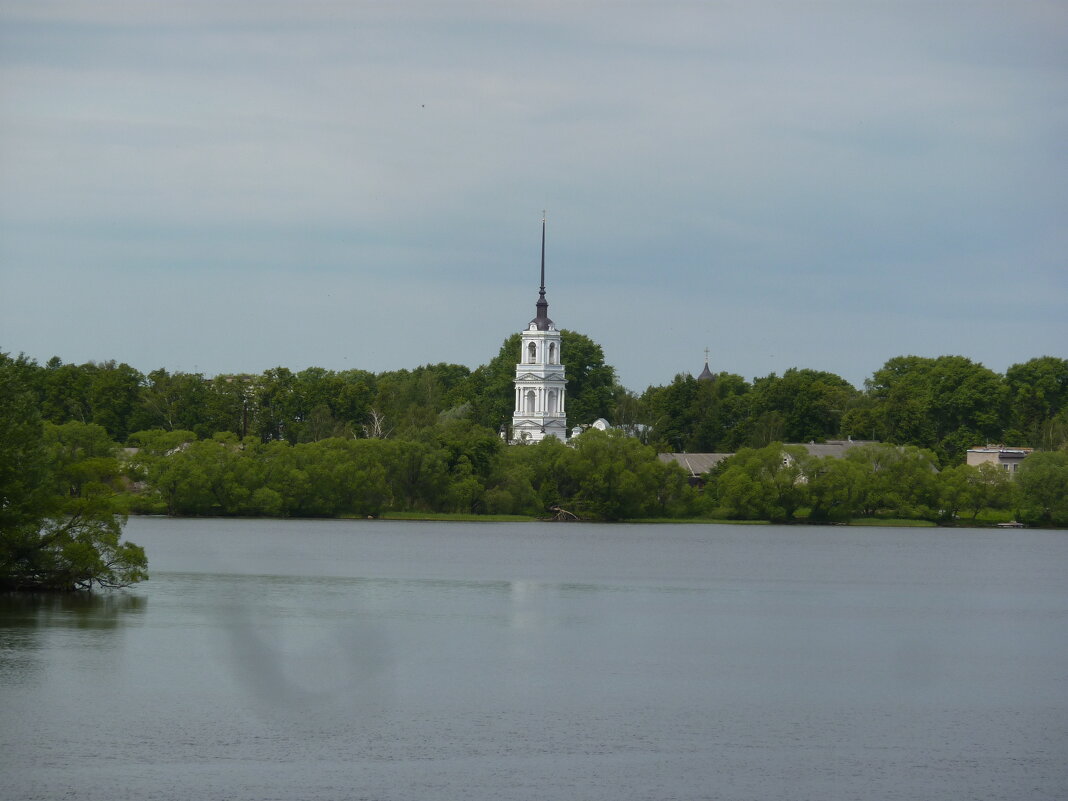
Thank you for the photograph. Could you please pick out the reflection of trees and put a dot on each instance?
(27, 619)
(102, 611)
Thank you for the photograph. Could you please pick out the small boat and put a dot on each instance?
(1011, 524)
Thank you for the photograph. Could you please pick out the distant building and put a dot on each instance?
(833, 447)
(540, 384)
(600, 424)
(697, 464)
(1007, 458)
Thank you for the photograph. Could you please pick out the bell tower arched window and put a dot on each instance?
(532, 352)
(552, 353)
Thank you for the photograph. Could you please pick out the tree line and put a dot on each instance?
(453, 466)
(323, 443)
(65, 487)
(784, 483)
(946, 404)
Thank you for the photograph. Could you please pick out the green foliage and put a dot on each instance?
(777, 481)
(602, 475)
(1042, 483)
(25, 495)
(809, 403)
(964, 488)
(946, 404)
(763, 484)
(699, 416)
(319, 442)
(60, 517)
(590, 381)
(898, 480)
(837, 488)
(615, 477)
(1038, 391)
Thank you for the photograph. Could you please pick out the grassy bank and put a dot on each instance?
(891, 522)
(457, 517)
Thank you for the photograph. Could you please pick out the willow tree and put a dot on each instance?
(60, 520)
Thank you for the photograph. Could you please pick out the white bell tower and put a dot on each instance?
(539, 376)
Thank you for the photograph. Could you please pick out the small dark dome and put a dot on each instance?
(706, 374)
(541, 320)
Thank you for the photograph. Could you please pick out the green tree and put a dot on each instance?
(837, 488)
(60, 523)
(674, 412)
(590, 381)
(65, 392)
(1038, 393)
(810, 402)
(763, 484)
(114, 392)
(607, 475)
(1042, 483)
(25, 475)
(946, 404)
(900, 480)
(965, 488)
(173, 402)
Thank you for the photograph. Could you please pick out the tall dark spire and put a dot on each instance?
(541, 319)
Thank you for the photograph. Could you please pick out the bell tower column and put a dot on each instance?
(539, 374)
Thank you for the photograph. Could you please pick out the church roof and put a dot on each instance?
(541, 318)
(706, 374)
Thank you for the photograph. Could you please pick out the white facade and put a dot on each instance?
(540, 387)
(1009, 459)
(539, 376)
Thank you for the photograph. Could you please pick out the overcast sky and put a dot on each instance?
(231, 186)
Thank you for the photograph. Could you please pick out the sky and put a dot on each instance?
(230, 186)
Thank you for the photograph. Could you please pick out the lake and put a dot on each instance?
(407, 660)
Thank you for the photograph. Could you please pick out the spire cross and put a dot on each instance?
(706, 355)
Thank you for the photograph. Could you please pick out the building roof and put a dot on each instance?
(541, 317)
(832, 447)
(706, 374)
(698, 463)
(694, 463)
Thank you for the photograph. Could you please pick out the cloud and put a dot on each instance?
(732, 161)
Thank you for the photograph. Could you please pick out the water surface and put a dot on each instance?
(396, 660)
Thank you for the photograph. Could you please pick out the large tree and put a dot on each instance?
(60, 520)
(1042, 484)
(811, 402)
(1038, 392)
(947, 404)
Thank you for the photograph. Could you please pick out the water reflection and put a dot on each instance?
(80, 610)
(29, 620)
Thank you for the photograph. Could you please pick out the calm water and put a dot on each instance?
(379, 660)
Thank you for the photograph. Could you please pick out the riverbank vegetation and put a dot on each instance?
(319, 443)
(61, 511)
(461, 469)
